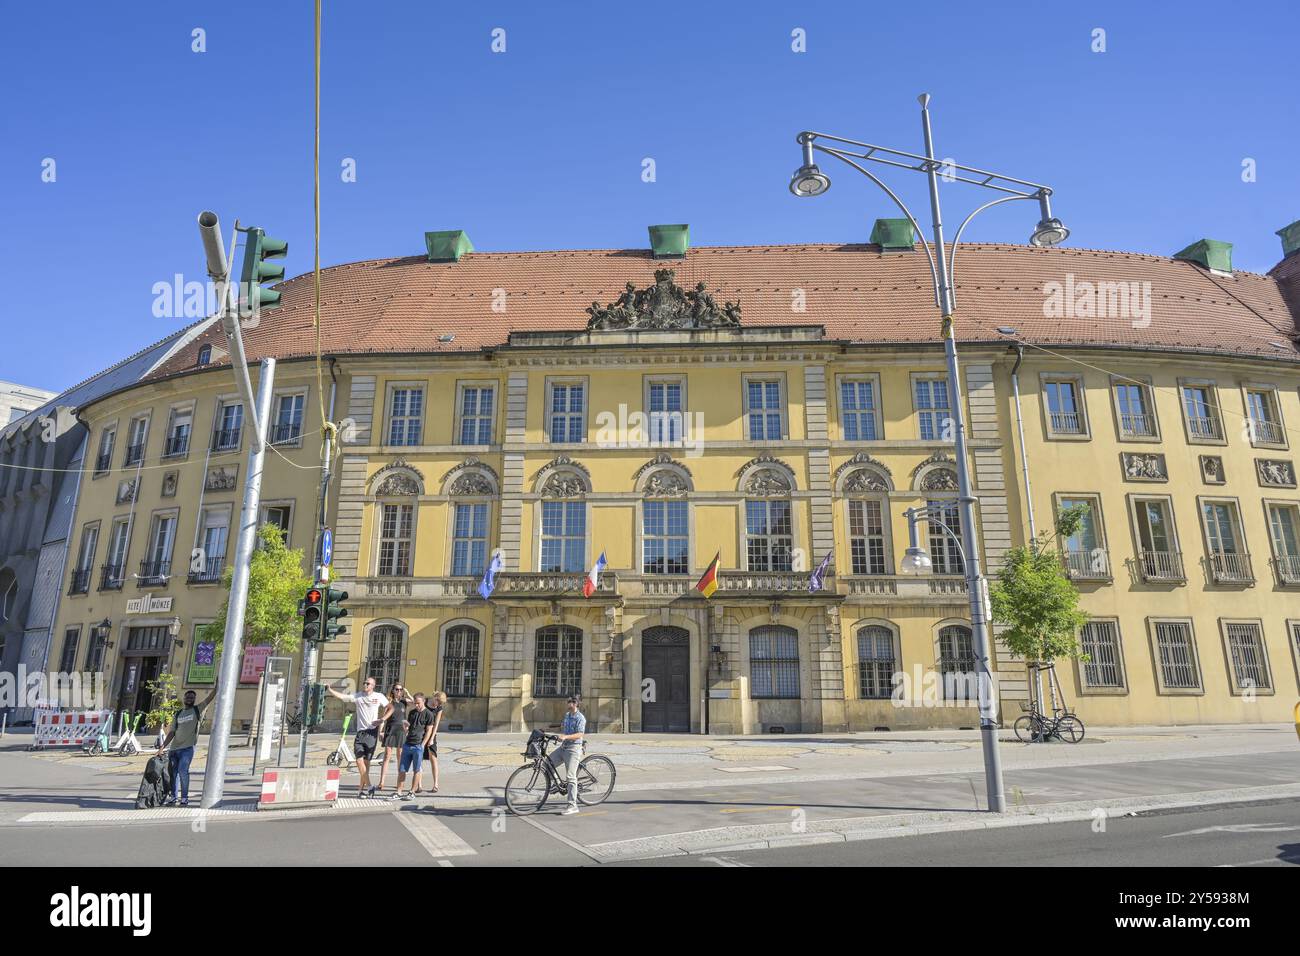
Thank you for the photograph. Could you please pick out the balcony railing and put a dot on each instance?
(1162, 565)
(134, 454)
(176, 445)
(110, 577)
(1231, 568)
(1087, 565)
(1204, 428)
(286, 433)
(1288, 568)
(103, 462)
(1137, 425)
(153, 573)
(1067, 423)
(80, 581)
(1266, 432)
(225, 439)
(210, 574)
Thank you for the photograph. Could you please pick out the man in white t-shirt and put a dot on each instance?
(369, 704)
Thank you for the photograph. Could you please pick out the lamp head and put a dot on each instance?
(915, 561)
(809, 180)
(1050, 232)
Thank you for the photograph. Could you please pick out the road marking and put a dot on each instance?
(757, 809)
(434, 835)
(1238, 828)
(571, 844)
(446, 863)
(749, 769)
(722, 861)
(1271, 860)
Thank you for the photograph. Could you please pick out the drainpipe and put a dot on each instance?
(1029, 498)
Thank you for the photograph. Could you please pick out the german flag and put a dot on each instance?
(709, 582)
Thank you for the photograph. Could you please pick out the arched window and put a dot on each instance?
(876, 663)
(957, 663)
(460, 661)
(559, 661)
(774, 662)
(384, 658)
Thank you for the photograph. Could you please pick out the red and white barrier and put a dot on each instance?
(68, 728)
(298, 787)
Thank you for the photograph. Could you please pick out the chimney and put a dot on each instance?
(1211, 254)
(1287, 272)
(448, 245)
(893, 235)
(670, 241)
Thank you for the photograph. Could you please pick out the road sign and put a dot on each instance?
(326, 547)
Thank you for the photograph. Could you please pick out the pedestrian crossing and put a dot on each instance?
(434, 835)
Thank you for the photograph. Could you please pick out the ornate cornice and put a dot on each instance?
(664, 305)
(862, 462)
(766, 476)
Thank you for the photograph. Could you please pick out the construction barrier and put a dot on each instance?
(68, 728)
(298, 787)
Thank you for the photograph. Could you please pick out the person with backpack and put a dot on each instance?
(182, 736)
(368, 703)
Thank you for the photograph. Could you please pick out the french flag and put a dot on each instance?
(593, 576)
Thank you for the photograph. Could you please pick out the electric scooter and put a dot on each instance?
(127, 745)
(99, 745)
(343, 756)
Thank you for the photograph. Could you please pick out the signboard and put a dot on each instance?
(272, 714)
(327, 547)
(254, 663)
(203, 664)
(149, 604)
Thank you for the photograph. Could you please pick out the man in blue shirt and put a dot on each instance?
(569, 750)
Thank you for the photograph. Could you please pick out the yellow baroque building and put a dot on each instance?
(770, 405)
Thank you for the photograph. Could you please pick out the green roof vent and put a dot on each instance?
(1210, 254)
(893, 235)
(670, 241)
(448, 245)
(1290, 238)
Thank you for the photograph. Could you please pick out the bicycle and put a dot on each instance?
(1034, 727)
(531, 785)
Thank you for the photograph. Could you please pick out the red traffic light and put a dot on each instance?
(313, 596)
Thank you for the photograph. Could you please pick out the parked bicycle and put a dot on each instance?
(531, 785)
(1034, 727)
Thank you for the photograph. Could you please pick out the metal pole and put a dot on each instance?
(974, 575)
(313, 647)
(214, 777)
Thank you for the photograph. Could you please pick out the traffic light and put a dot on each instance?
(259, 247)
(315, 704)
(312, 613)
(333, 611)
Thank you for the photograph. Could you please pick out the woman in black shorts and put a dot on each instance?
(393, 731)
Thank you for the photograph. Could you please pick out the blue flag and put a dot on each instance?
(489, 581)
(815, 582)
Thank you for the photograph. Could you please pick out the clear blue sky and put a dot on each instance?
(541, 147)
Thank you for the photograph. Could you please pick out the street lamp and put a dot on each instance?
(810, 181)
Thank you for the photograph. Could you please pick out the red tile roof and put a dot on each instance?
(857, 292)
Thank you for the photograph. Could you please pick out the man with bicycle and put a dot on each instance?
(572, 730)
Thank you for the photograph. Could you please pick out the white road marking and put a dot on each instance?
(750, 769)
(722, 861)
(571, 844)
(434, 835)
(1238, 828)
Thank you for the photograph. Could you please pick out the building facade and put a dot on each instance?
(776, 407)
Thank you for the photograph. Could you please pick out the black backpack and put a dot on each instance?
(534, 746)
(155, 785)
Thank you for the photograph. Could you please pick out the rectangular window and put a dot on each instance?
(95, 650)
(933, 411)
(858, 410)
(564, 536)
(1284, 527)
(156, 567)
(104, 460)
(1176, 652)
(559, 662)
(1136, 419)
(68, 656)
(82, 570)
(135, 441)
(769, 535)
(1084, 552)
(876, 665)
(179, 426)
(280, 515)
(763, 409)
(1064, 407)
(1265, 422)
(1202, 413)
(1158, 557)
(460, 662)
(469, 540)
(667, 409)
(867, 537)
(115, 566)
(944, 551)
(567, 418)
(288, 419)
(1099, 640)
(665, 537)
(214, 530)
(405, 416)
(1246, 652)
(477, 412)
(774, 663)
(1225, 543)
(395, 534)
(230, 422)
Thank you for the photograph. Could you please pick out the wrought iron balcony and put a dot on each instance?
(225, 439)
(80, 581)
(210, 574)
(1137, 425)
(110, 577)
(286, 433)
(1267, 433)
(153, 573)
(103, 462)
(1090, 565)
(1204, 428)
(1067, 423)
(134, 454)
(1288, 569)
(1231, 568)
(176, 446)
(1162, 565)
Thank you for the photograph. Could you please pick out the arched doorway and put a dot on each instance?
(666, 680)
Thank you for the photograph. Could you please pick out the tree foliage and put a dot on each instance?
(1035, 598)
(166, 702)
(276, 582)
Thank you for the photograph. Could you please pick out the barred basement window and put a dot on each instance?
(559, 661)
(876, 665)
(1099, 640)
(460, 662)
(1246, 651)
(384, 662)
(774, 663)
(395, 540)
(1177, 655)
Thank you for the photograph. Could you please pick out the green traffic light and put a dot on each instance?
(257, 249)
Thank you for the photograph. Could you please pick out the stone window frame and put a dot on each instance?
(265, 505)
(559, 693)
(1158, 672)
(1098, 519)
(841, 378)
(1149, 401)
(458, 421)
(106, 428)
(226, 509)
(897, 640)
(77, 565)
(1294, 507)
(1081, 405)
(1275, 399)
(1239, 525)
(1080, 667)
(449, 556)
(276, 398)
(126, 523)
(1234, 686)
(1215, 408)
(390, 387)
(783, 400)
(147, 418)
(156, 516)
(937, 630)
(1133, 499)
(587, 556)
(69, 666)
(649, 380)
(800, 652)
(218, 415)
(643, 477)
(440, 662)
(411, 501)
(566, 380)
(180, 408)
(366, 642)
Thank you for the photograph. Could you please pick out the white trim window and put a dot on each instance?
(769, 535)
(477, 413)
(564, 536)
(665, 537)
(667, 410)
(405, 415)
(763, 409)
(933, 408)
(1284, 527)
(469, 539)
(858, 409)
(1099, 641)
(288, 419)
(1136, 419)
(1262, 415)
(396, 533)
(868, 553)
(567, 415)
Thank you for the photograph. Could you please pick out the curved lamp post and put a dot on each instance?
(809, 180)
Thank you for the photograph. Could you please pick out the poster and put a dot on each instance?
(203, 665)
(254, 663)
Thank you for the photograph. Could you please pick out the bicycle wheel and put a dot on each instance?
(527, 789)
(1070, 729)
(595, 780)
(1027, 728)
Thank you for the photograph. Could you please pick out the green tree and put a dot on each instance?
(166, 702)
(1034, 597)
(276, 582)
